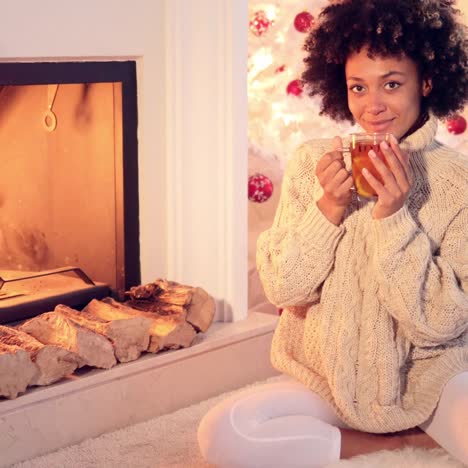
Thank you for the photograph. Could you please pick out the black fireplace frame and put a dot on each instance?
(30, 73)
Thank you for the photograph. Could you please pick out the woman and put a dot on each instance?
(374, 334)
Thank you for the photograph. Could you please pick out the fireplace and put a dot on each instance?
(192, 204)
(192, 123)
(69, 184)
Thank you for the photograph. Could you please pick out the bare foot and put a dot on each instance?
(355, 443)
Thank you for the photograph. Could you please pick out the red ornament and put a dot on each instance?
(456, 124)
(303, 22)
(259, 24)
(295, 87)
(260, 188)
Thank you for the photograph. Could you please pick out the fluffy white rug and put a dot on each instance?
(170, 442)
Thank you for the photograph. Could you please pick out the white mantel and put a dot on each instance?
(192, 104)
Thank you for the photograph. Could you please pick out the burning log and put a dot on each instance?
(52, 362)
(168, 298)
(59, 329)
(166, 332)
(16, 370)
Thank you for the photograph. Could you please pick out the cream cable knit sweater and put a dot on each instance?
(376, 311)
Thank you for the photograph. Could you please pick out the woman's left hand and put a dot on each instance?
(396, 176)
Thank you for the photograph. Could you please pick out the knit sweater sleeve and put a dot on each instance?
(296, 254)
(423, 288)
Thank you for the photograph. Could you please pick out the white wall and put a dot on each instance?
(192, 58)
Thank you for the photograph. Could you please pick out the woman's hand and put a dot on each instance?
(336, 182)
(396, 176)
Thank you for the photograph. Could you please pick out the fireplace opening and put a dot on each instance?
(69, 222)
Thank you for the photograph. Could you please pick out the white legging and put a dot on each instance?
(284, 424)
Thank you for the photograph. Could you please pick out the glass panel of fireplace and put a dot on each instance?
(68, 185)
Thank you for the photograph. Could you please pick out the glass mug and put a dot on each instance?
(359, 147)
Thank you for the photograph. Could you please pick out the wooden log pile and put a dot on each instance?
(156, 316)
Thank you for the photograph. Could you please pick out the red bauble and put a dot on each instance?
(295, 87)
(303, 22)
(260, 188)
(456, 124)
(260, 23)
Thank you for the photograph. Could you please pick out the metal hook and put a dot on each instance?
(50, 119)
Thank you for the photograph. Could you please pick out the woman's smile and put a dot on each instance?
(378, 126)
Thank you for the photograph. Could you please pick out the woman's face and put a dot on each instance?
(384, 94)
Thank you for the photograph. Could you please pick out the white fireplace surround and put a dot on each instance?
(192, 122)
(192, 131)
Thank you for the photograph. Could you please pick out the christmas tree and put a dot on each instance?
(281, 115)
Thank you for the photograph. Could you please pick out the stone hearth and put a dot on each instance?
(93, 402)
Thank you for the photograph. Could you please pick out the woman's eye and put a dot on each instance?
(357, 88)
(392, 85)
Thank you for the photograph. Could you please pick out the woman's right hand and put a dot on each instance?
(336, 182)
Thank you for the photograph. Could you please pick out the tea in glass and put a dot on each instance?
(361, 144)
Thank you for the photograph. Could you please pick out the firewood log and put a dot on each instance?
(129, 335)
(144, 291)
(53, 362)
(169, 297)
(163, 291)
(201, 310)
(157, 307)
(166, 331)
(57, 328)
(16, 370)
(172, 292)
